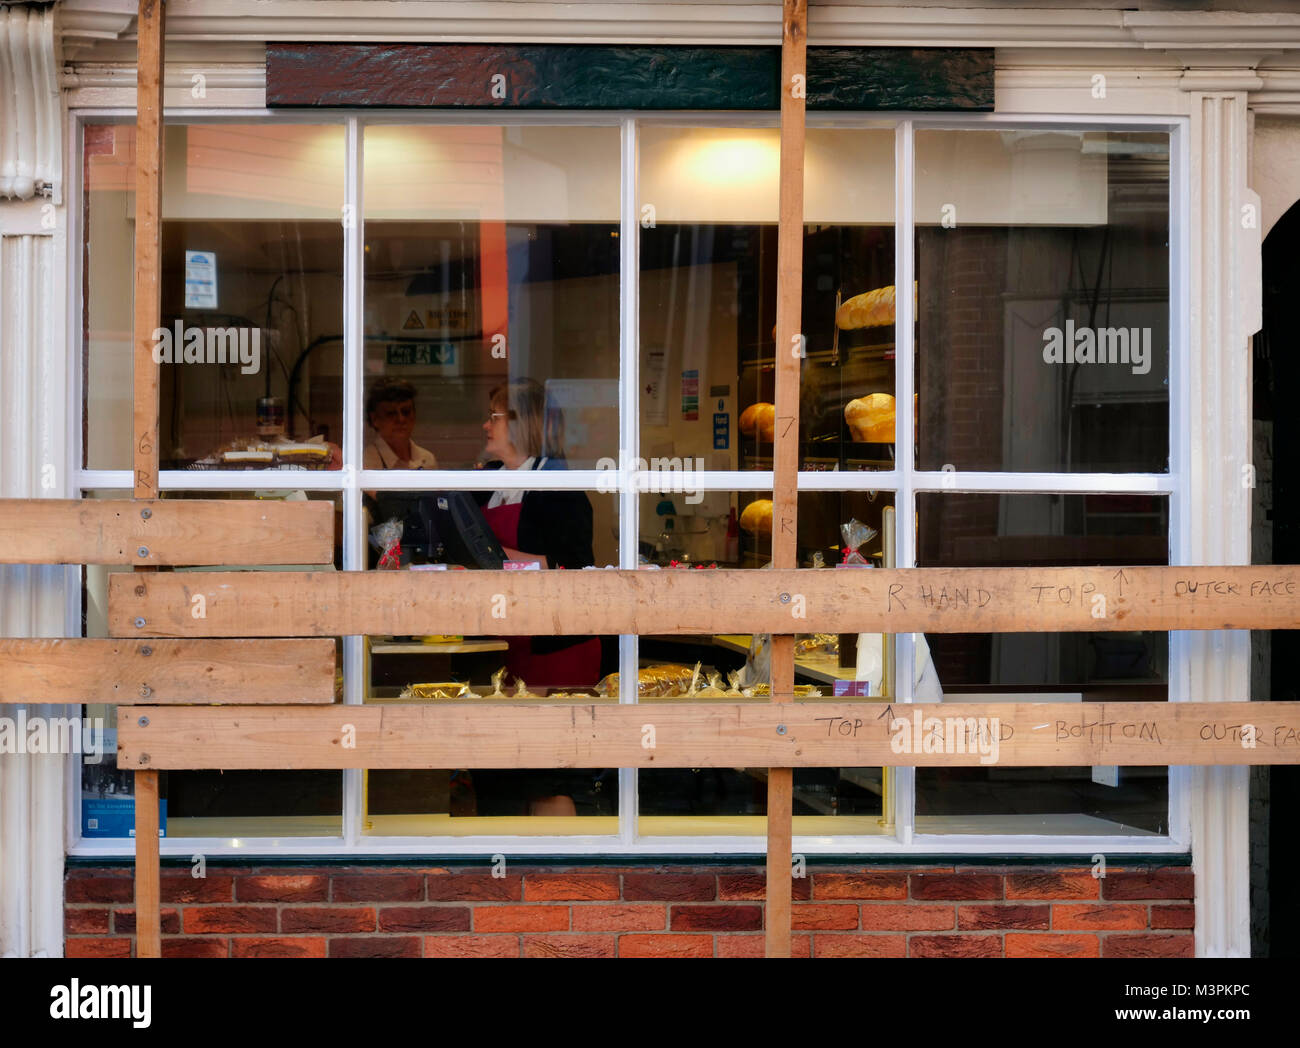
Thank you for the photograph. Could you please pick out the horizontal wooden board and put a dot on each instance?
(793, 735)
(167, 671)
(511, 603)
(558, 76)
(161, 532)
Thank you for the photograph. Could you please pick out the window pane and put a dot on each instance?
(708, 297)
(737, 668)
(252, 291)
(209, 803)
(1042, 267)
(969, 530)
(492, 257)
(573, 529)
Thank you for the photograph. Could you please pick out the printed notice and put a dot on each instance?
(200, 280)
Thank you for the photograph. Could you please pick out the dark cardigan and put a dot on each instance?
(556, 525)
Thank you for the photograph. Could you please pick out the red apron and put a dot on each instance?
(574, 667)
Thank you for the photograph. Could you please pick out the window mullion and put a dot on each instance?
(629, 504)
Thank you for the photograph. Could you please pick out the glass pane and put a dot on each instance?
(737, 668)
(491, 258)
(206, 803)
(708, 297)
(969, 530)
(252, 290)
(1042, 267)
(549, 529)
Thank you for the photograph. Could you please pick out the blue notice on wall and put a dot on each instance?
(721, 430)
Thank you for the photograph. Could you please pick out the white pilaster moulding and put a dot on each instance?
(34, 601)
(629, 499)
(1218, 532)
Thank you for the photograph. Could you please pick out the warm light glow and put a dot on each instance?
(732, 160)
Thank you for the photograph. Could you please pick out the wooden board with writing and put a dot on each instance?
(789, 735)
(924, 600)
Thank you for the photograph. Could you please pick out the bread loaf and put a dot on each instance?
(871, 418)
(759, 420)
(872, 309)
(757, 517)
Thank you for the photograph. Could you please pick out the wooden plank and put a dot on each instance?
(505, 603)
(545, 76)
(165, 531)
(790, 353)
(150, 65)
(179, 672)
(697, 735)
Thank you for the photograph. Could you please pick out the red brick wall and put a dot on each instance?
(842, 911)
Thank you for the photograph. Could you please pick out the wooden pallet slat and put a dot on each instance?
(182, 672)
(165, 532)
(922, 600)
(699, 735)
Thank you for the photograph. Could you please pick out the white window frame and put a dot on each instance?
(903, 481)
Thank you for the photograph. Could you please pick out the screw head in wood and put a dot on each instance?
(143, 551)
(785, 598)
(145, 691)
(146, 650)
(145, 514)
(780, 729)
(144, 758)
(143, 722)
(139, 623)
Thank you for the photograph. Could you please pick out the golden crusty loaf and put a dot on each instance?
(759, 420)
(872, 309)
(757, 517)
(871, 418)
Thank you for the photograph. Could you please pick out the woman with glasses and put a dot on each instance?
(554, 530)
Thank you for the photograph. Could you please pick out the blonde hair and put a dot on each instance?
(536, 427)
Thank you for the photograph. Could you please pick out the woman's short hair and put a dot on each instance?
(388, 391)
(536, 427)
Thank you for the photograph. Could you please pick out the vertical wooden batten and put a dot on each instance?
(148, 316)
(785, 462)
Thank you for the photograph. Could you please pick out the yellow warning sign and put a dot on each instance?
(413, 322)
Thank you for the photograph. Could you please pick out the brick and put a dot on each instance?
(859, 885)
(958, 886)
(1020, 944)
(569, 946)
(955, 946)
(860, 945)
(228, 920)
(752, 887)
(376, 946)
(99, 889)
(665, 945)
(1177, 916)
(974, 918)
(283, 888)
(728, 918)
(205, 947)
(377, 887)
(471, 946)
(622, 918)
(808, 916)
(915, 917)
(98, 947)
(182, 888)
(1053, 886)
(1148, 946)
(124, 921)
(521, 918)
(1083, 917)
(1156, 884)
(584, 887)
(321, 919)
(670, 887)
(756, 945)
(293, 946)
(424, 919)
(87, 921)
(474, 887)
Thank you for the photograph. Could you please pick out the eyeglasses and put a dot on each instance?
(405, 411)
(499, 414)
